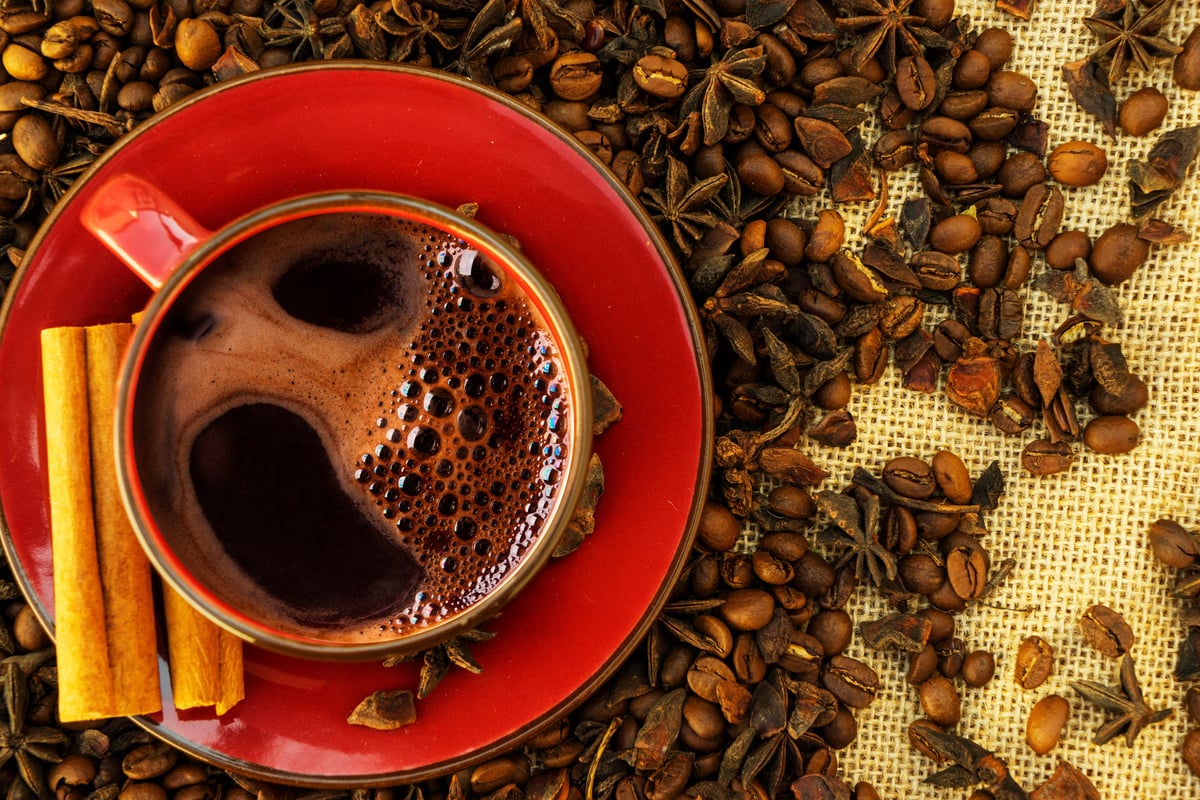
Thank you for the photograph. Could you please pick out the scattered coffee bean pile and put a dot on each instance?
(747, 128)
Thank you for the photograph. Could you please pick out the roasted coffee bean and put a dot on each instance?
(833, 628)
(1187, 76)
(705, 577)
(963, 105)
(910, 477)
(786, 241)
(1078, 163)
(801, 177)
(1040, 217)
(1066, 247)
(1117, 253)
(149, 761)
(1106, 631)
(993, 124)
(894, 150)
(1001, 313)
(818, 70)
(771, 570)
(944, 598)
(737, 572)
(972, 70)
(922, 666)
(936, 270)
(843, 730)
(900, 531)
(747, 609)
(858, 280)
(1133, 397)
(761, 174)
(749, 666)
(803, 654)
(197, 43)
(952, 476)
(955, 169)
(988, 158)
(996, 44)
(814, 575)
(1172, 544)
(864, 791)
(1191, 742)
(1012, 90)
(936, 13)
(1111, 434)
(920, 573)
(989, 261)
(940, 701)
(916, 82)
(870, 356)
(1034, 662)
(773, 128)
(657, 75)
(966, 571)
(1019, 265)
(1191, 704)
(829, 233)
(1043, 457)
(893, 113)
(978, 668)
(792, 502)
(955, 234)
(941, 624)
(1020, 173)
(577, 76)
(1143, 111)
(784, 545)
(719, 530)
(716, 630)
(996, 215)
(1046, 721)
(834, 393)
(850, 681)
(944, 133)
(142, 790)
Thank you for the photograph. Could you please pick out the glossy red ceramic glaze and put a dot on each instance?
(298, 130)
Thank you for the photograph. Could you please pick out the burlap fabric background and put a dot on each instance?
(1079, 538)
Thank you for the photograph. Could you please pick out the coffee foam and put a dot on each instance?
(444, 414)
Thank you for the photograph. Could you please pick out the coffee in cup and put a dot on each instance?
(352, 426)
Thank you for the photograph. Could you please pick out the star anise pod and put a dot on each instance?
(857, 532)
(546, 19)
(1131, 38)
(1125, 701)
(884, 28)
(437, 660)
(682, 203)
(412, 28)
(488, 34)
(733, 78)
(300, 25)
(31, 747)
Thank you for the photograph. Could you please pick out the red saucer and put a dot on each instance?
(308, 128)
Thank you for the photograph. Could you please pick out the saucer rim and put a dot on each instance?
(700, 487)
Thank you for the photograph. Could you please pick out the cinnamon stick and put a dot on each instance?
(124, 568)
(84, 673)
(206, 661)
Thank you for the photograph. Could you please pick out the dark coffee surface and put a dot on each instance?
(351, 426)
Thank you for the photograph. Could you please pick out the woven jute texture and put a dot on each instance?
(1079, 538)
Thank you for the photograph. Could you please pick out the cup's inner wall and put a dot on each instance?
(352, 426)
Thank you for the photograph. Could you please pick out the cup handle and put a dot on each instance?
(143, 227)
